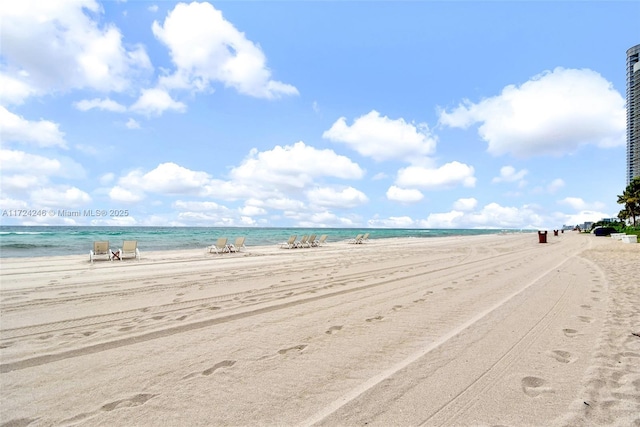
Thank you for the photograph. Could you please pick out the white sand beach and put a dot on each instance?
(458, 331)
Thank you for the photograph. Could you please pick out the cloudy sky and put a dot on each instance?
(414, 114)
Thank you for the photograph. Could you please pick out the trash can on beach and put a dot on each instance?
(542, 236)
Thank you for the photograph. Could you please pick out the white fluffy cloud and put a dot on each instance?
(13, 90)
(14, 160)
(100, 104)
(555, 185)
(465, 205)
(132, 124)
(392, 222)
(43, 133)
(63, 197)
(509, 174)
(583, 216)
(490, 216)
(26, 174)
(405, 195)
(579, 204)
(554, 113)
(382, 138)
(265, 180)
(166, 178)
(153, 102)
(120, 194)
(294, 166)
(200, 206)
(329, 197)
(223, 53)
(447, 176)
(53, 45)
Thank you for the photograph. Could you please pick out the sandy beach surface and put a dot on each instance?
(493, 330)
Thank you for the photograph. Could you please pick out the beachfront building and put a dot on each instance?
(633, 113)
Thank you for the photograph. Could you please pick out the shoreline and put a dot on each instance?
(459, 330)
(43, 241)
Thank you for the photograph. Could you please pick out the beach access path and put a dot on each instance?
(452, 331)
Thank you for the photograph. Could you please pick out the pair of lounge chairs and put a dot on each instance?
(360, 238)
(221, 246)
(102, 250)
(306, 241)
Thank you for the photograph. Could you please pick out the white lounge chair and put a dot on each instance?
(220, 247)
(320, 241)
(289, 244)
(237, 246)
(365, 238)
(129, 249)
(311, 240)
(356, 239)
(100, 250)
(304, 241)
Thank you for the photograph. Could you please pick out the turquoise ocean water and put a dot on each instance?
(34, 241)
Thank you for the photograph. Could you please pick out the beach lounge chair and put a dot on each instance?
(129, 249)
(365, 238)
(289, 243)
(100, 250)
(311, 241)
(356, 239)
(220, 247)
(304, 241)
(320, 241)
(237, 246)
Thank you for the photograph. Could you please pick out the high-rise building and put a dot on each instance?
(633, 113)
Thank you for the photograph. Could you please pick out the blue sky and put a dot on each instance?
(412, 114)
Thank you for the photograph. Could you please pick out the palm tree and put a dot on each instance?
(630, 198)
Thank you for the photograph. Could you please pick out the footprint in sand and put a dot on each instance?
(570, 332)
(223, 364)
(211, 370)
(19, 422)
(419, 300)
(137, 400)
(333, 329)
(562, 356)
(585, 319)
(297, 347)
(396, 307)
(534, 386)
(371, 319)
(586, 306)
